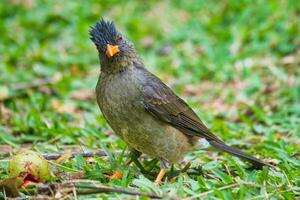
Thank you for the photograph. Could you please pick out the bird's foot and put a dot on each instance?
(160, 176)
(163, 168)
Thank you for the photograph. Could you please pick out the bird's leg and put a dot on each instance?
(134, 155)
(163, 168)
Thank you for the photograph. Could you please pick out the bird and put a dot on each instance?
(142, 110)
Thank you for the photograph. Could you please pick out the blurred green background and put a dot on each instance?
(235, 62)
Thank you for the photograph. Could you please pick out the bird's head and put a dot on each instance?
(114, 49)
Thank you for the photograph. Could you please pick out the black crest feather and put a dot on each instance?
(103, 32)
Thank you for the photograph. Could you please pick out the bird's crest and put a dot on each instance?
(103, 32)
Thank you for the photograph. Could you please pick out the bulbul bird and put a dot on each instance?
(142, 110)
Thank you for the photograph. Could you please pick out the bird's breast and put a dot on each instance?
(119, 98)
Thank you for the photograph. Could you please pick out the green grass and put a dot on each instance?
(235, 62)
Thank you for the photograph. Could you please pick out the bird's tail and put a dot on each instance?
(256, 162)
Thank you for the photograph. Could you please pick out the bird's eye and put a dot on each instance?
(120, 38)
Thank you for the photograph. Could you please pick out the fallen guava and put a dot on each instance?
(29, 165)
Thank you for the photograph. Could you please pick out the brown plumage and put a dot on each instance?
(141, 109)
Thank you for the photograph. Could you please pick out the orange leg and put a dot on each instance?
(160, 176)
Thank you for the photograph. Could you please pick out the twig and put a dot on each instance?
(70, 187)
(97, 189)
(55, 156)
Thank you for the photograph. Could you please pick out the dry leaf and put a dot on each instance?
(26, 3)
(91, 160)
(10, 186)
(76, 175)
(45, 89)
(109, 132)
(75, 70)
(5, 113)
(63, 157)
(62, 107)
(83, 94)
(165, 50)
(5, 149)
(147, 42)
(273, 161)
(117, 175)
(288, 60)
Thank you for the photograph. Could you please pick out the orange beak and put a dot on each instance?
(111, 50)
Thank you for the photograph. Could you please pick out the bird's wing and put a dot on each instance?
(161, 102)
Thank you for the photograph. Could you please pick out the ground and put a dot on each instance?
(236, 63)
